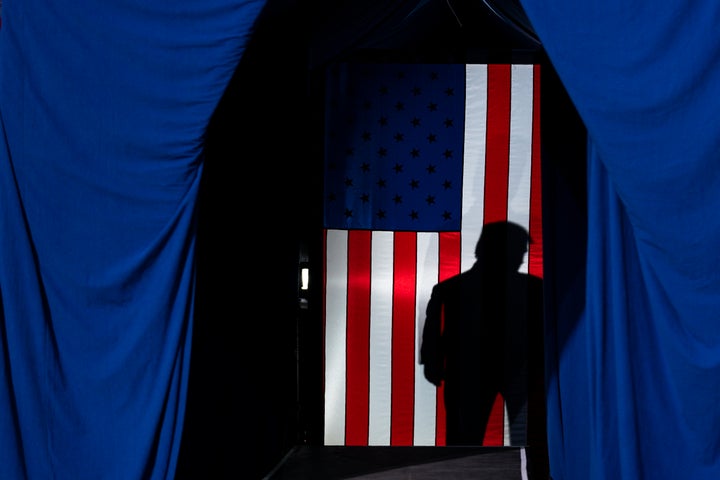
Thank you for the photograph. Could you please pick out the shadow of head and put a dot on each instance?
(502, 245)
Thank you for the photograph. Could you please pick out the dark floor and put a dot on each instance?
(402, 463)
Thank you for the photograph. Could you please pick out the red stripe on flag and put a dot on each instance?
(497, 168)
(449, 255)
(494, 433)
(449, 265)
(441, 420)
(403, 338)
(498, 143)
(358, 338)
(535, 254)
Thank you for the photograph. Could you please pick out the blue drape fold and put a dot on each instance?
(638, 376)
(103, 111)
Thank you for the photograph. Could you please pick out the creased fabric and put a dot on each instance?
(638, 377)
(103, 109)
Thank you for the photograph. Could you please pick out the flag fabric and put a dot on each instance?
(418, 158)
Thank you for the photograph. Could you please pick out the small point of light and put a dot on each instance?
(304, 277)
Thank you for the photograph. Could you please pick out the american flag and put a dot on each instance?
(418, 158)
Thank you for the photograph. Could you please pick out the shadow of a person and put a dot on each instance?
(483, 336)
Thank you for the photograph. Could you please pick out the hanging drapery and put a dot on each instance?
(103, 109)
(634, 391)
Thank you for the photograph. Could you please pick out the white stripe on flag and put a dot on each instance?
(473, 197)
(335, 336)
(381, 334)
(520, 162)
(521, 117)
(425, 392)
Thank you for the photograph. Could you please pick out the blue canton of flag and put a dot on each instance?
(396, 162)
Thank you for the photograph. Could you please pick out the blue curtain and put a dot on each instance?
(103, 111)
(634, 382)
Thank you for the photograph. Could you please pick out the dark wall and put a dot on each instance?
(242, 402)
